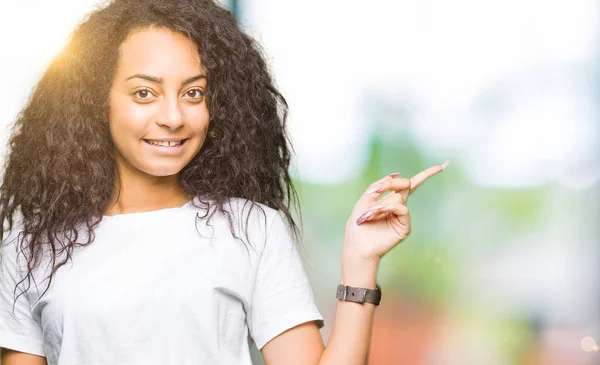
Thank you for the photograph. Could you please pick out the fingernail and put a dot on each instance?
(376, 207)
(395, 174)
(445, 164)
(364, 217)
(374, 189)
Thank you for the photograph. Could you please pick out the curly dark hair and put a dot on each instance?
(60, 170)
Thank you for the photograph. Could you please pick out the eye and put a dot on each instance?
(195, 93)
(143, 94)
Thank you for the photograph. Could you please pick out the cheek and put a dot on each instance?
(126, 118)
(198, 120)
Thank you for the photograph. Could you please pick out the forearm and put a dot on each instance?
(350, 339)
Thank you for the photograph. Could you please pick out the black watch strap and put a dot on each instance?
(359, 295)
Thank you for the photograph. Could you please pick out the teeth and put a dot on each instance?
(165, 143)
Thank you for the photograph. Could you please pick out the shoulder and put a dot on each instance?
(237, 208)
(11, 239)
(243, 218)
(253, 211)
(13, 258)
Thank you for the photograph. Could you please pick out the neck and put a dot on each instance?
(145, 193)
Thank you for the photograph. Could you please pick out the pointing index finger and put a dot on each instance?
(422, 176)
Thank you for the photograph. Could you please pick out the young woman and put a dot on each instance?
(146, 202)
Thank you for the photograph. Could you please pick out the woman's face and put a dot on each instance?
(158, 115)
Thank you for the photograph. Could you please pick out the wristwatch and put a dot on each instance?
(359, 295)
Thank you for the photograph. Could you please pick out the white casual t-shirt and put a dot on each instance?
(158, 288)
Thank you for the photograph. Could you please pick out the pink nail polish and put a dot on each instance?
(364, 217)
(394, 175)
(376, 207)
(374, 189)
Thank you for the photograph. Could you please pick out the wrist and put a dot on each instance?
(360, 273)
(359, 295)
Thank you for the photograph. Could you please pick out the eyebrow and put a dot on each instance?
(159, 80)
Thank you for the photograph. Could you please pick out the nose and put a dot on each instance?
(170, 114)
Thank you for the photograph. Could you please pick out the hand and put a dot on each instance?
(376, 226)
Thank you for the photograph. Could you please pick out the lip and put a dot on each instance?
(169, 139)
(175, 150)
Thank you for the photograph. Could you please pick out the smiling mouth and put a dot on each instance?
(166, 143)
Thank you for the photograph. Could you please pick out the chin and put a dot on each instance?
(163, 172)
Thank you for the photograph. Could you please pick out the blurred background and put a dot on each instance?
(501, 267)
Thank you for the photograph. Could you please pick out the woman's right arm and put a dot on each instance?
(11, 357)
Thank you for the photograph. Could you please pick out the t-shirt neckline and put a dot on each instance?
(146, 213)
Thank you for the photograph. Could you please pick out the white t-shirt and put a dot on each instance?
(157, 288)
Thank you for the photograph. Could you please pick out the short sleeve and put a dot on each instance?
(18, 329)
(282, 296)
